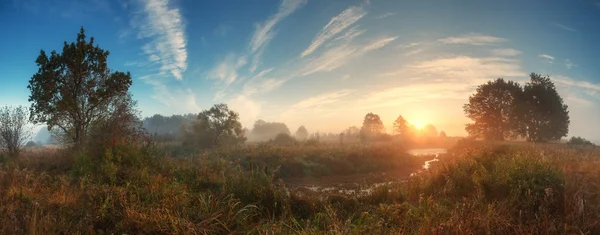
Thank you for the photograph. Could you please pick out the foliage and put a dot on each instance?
(167, 128)
(493, 110)
(443, 134)
(13, 130)
(217, 126)
(283, 139)
(372, 126)
(75, 88)
(401, 126)
(475, 189)
(543, 115)
(264, 131)
(301, 133)
(31, 144)
(578, 141)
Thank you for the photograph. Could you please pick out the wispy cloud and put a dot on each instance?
(336, 57)
(336, 25)
(413, 52)
(226, 70)
(576, 83)
(266, 31)
(464, 69)
(472, 39)
(506, 52)
(386, 15)
(409, 45)
(229, 69)
(163, 24)
(564, 27)
(547, 58)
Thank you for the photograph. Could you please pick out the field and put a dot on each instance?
(476, 188)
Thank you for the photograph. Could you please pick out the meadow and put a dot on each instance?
(477, 187)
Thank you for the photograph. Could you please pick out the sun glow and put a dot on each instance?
(419, 124)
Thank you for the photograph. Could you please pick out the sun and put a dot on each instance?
(419, 124)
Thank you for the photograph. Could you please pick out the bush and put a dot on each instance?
(30, 144)
(578, 141)
(283, 139)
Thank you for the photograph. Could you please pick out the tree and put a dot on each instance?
(283, 139)
(217, 126)
(579, 141)
(443, 134)
(301, 133)
(264, 131)
(493, 110)
(13, 130)
(401, 126)
(75, 88)
(372, 126)
(542, 114)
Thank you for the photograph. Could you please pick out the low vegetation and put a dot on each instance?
(475, 188)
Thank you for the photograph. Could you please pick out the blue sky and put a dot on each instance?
(319, 63)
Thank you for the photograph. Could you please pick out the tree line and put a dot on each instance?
(87, 105)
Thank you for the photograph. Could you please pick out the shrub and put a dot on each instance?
(13, 130)
(283, 139)
(578, 141)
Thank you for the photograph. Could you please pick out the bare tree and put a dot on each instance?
(13, 130)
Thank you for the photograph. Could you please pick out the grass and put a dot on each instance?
(476, 188)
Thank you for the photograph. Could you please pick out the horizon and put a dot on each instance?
(323, 65)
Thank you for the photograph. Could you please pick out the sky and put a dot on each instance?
(319, 63)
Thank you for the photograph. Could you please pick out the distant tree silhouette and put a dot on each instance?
(167, 127)
(493, 110)
(578, 141)
(542, 114)
(283, 139)
(217, 126)
(301, 133)
(264, 131)
(443, 134)
(372, 126)
(75, 88)
(401, 126)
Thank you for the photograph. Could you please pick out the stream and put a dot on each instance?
(353, 186)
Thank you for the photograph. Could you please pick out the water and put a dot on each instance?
(427, 151)
(368, 190)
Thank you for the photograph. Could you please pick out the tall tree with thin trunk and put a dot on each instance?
(74, 88)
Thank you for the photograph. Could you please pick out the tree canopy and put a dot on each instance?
(214, 127)
(401, 126)
(502, 109)
(74, 88)
(493, 110)
(302, 133)
(542, 114)
(264, 131)
(372, 126)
